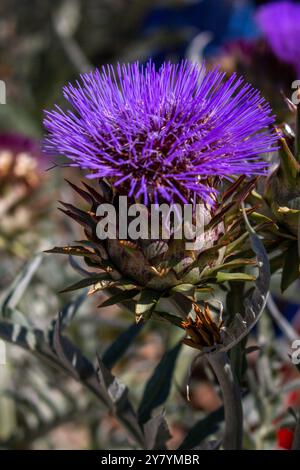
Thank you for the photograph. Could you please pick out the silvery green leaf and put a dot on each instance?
(14, 293)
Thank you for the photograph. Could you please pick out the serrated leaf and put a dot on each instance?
(16, 316)
(18, 335)
(117, 398)
(15, 292)
(69, 310)
(61, 350)
(62, 354)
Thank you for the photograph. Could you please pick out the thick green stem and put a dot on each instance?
(233, 435)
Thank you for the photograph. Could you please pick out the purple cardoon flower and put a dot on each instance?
(280, 24)
(172, 133)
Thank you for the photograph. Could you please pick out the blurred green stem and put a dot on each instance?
(233, 434)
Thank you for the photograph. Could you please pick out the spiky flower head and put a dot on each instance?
(280, 24)
(170, 134)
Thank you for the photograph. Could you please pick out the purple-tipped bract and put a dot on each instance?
(280, 24)
(170, 134)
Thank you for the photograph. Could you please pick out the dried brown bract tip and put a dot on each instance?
(202, 330)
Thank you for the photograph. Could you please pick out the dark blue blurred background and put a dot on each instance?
(225, 19)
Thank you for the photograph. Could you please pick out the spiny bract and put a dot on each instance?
(147, 270)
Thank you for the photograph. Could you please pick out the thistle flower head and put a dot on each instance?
(172, 133)
(280, 24)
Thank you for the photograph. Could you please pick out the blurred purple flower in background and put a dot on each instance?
(171, 133)
(280, 24)
(21, 159)
(18, 143)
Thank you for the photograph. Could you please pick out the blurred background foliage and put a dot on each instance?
(44, 45)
